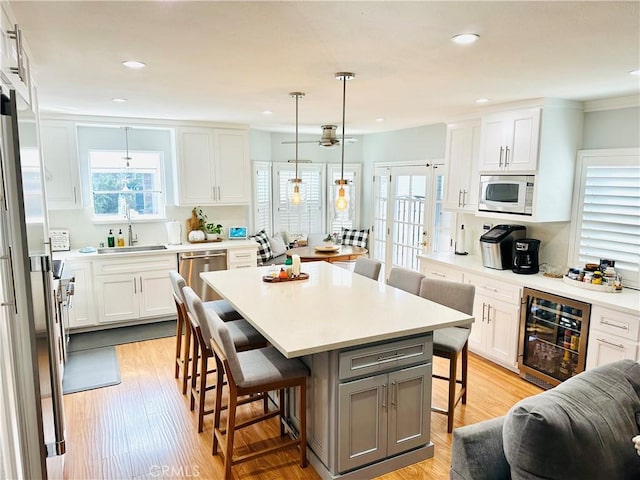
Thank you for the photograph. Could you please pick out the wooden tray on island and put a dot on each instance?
(270, 279)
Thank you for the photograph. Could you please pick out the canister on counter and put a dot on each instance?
(597, 278)
(588, 277)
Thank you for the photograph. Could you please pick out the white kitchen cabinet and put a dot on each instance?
(462, 153)
(242, 257)
(212, 166)
(613, 336)
(509, 141)
(134, 288)
(383, 415)
(60, 157)
(496, 308)
(439, 271)
(14, 57)
(82, 311)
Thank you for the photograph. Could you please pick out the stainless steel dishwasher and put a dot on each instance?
(192, 264)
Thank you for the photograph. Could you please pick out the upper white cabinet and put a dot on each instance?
(509, 141)
(542, 140)
(212, 166)
(14, 59)
(462, 150)
(60, 156)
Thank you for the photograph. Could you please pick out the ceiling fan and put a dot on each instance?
(328, 138)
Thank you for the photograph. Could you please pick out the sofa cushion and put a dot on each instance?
(580, 429)
(356, 238)
(277, 244)
(264, 248)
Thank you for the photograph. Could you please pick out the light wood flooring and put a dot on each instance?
(142, 428)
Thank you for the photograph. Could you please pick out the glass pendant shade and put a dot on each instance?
(342, 199)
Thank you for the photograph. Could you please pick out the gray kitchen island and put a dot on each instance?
(369, 349)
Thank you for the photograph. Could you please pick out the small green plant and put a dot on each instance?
(202, 218)
(213, 228)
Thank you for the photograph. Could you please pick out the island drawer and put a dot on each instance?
(385, 356)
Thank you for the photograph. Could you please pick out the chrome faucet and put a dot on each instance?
(132, 239)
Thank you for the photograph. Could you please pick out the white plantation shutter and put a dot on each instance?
(262, 197)
(308, 217)
(608, 212)
(350, 217)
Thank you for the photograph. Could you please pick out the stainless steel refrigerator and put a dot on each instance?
(30, 325)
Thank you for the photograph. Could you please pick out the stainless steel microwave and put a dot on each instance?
(506, 194)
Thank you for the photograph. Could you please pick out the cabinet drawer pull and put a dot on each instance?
(242, 255)
(620, 346)
(604, 322)
(438, 274)
(494, 290)
(390, 358)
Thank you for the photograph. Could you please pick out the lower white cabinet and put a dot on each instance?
(242, 257)
(440, 272)
(82, 311)
(496, 309)
(613, 336)
(130, 289)
(383, 415)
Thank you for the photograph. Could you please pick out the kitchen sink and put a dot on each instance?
(135, 248)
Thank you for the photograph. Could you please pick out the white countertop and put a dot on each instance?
(627, 301)
(333, 309)
(184, 247)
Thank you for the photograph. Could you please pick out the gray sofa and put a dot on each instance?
(581, 429)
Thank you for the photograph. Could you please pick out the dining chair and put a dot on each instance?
(224, 310)
(405, 279)
(249, 373)
(451, 342)
(243, 335)
(367, 267)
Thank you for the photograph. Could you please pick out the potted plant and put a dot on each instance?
(213, 230)
(328, 240)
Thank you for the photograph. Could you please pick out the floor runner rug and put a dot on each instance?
(89, 369)
(120, 335)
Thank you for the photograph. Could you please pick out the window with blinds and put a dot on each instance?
(262, 215)
(608, 212)
(308, 217)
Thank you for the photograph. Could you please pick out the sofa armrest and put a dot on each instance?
(477, 452)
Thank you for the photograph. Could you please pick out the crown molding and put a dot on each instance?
(612, 103)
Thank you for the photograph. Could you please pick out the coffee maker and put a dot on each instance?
(525, 256)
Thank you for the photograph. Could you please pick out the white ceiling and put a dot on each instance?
(230, 61)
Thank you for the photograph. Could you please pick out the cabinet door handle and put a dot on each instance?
(506, 157)
(16, 34)
(484, 306)
(464, 198)
(140, 284)
(219, 196)
(384, 395)
(604, 322)
(488, 313)
(135, 289)
(619, 345)
(500, 159)
(214, 192)
(75, 195)
(459, 196)
(393, 393)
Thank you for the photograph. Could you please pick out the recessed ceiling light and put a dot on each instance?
(634, 72)
(134, 64)
(465, 38)
(379, 120)
(482, 100)
(119, 100)
(267, 112)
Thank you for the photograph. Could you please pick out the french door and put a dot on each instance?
(407, 213)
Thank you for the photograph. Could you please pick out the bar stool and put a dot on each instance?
(367, 267)
(224, 310)
(404, 279)
(450, 342)
(249, 373)
(243, 335)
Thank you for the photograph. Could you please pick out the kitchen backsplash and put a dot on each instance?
(83, 232)
(554, 238)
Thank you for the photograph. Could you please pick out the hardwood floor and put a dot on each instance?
(142, 428)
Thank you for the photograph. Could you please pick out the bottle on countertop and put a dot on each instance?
(120, 238)
(111, 240)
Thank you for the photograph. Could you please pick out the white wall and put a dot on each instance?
(612, 129)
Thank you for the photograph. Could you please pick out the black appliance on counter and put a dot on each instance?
(525, 256)
(496, 245)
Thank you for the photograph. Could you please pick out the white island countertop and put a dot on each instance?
(333, 309)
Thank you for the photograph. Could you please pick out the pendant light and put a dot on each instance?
(342, 198)
(296, 196)
(127, 158)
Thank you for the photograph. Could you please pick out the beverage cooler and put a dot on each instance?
(553, 338)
